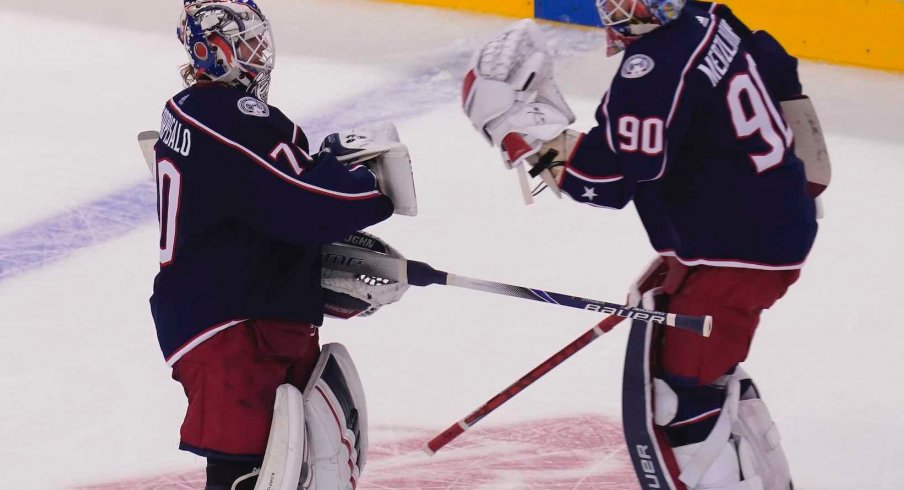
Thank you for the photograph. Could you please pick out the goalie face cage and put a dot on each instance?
(637, 17)
(229, 41)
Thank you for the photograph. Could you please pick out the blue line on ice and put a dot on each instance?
(124, 210)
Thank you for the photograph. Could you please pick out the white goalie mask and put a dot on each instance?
(349, 294)
(229, 41)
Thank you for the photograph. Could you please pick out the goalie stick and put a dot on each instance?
(366, 262)
(146, 141)
(356, 260)
(459, 428)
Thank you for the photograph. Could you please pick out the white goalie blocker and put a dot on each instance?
(318, 439)
(379, 149)
(809, 145)
(511, 97)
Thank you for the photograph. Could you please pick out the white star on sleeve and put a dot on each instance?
(589, 193)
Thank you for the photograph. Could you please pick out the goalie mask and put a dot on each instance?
(228, 41)
(349, 294)
(626, 20)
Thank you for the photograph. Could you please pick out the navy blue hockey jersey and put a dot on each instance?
(692, 132)
(243, 210)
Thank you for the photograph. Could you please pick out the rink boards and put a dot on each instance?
(864, 33)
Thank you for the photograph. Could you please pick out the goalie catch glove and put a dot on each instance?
(510, 96)
(379, 149)
(349, 294)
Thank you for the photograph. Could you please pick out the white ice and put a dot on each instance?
(85, 397)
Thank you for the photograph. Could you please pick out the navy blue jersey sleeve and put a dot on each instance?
(260, 159)
(324, 204)
(593, 174)
(641, 122)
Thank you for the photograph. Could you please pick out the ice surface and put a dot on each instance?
(87, 400)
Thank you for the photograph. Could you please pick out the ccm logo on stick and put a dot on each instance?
(342, 260)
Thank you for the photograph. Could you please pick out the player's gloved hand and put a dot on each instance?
(379, 149)
(510, 95)
(554, 154)
(348, 294)
(362, 144)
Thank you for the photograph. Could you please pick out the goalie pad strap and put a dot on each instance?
(708, 451)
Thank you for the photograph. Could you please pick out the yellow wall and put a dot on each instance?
(866, 33)
(512, 8)
(855, 32)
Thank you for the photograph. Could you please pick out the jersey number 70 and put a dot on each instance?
(169, 188)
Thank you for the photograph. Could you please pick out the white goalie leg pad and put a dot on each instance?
(336, 415)
(759, 447)
(287, 444)
(742, 452)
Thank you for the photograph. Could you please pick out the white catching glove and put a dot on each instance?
(510, 94)
(379, 149)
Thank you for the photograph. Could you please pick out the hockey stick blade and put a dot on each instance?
(359, 261)
(146, 141)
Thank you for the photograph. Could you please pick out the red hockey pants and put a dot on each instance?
(734, 298)
(231, 382)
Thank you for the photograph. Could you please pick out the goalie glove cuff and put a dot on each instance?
(361, 144)
(379, 149)
(555, 153)
(510, 94)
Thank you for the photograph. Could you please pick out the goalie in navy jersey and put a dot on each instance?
(244, 207)
(698, 130)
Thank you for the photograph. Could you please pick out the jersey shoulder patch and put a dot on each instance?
(253, 107)
(637, 66)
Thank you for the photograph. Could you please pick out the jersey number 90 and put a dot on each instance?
(760, 116)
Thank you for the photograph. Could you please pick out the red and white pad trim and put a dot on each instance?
(336, 416)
